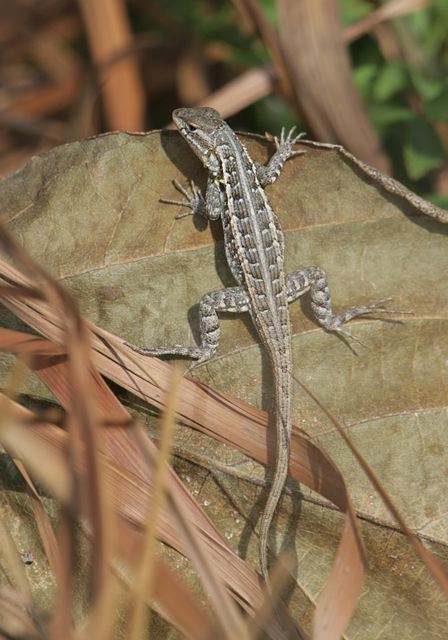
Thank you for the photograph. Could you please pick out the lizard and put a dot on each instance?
(254, 248)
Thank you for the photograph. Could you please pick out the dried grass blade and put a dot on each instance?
(26, 444)
(109, 33)
(43, 450)
(83, 425)
(389, 11)
(62, 623)
(230, 620)
(20, 442)
(225, 419)
(20, 342)
(130, 493)
(21, 292)
(82, 420)
(320, 71)
(144, 579)
(242, 91)
(251, 12)
(174, 601)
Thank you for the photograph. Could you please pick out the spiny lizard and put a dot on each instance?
(254, 247)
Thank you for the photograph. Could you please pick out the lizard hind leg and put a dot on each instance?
(232, 299)
(315, 280)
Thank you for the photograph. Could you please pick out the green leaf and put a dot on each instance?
(269, 8)
(437, 109)
(353, 10)
(422, 150)
(428, 87)
(439, 200)
(363, 77)
(383, 115)
(391, 79)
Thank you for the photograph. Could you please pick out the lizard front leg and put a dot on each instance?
(315, 280)
(209, 207)
(267, 174)
(232, 299)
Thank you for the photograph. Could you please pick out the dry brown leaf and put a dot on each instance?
(132, 498)
(43, 449)
(322, 182)
(308, 464)
(43, 522)
(82, 390)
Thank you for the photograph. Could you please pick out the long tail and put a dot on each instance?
(283, 431)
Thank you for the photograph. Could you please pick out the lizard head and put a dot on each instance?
(200, 127)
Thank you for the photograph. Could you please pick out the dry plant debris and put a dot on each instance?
(101, 467)
(370, 76)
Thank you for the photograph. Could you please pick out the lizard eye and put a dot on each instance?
(191, 127)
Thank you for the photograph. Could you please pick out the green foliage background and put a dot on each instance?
(407, 99)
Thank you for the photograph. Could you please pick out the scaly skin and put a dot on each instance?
(254, 247)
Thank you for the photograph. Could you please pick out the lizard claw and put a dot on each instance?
(378, 307)
(347, 336)
(335, 323)
(285, 144)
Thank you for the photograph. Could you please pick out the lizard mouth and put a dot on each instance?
(183, 126)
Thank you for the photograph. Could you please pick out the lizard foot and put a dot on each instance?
(286, 143)
(194, 200)
(336, 322)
